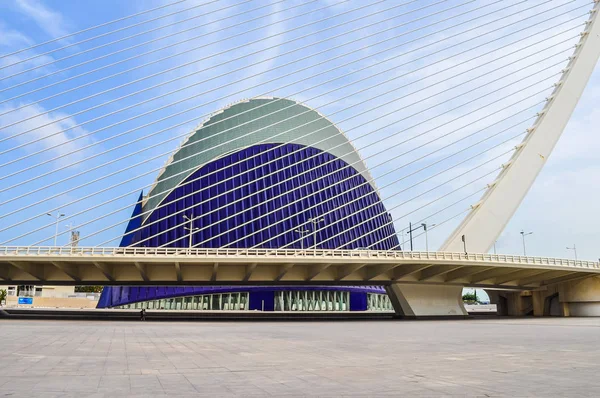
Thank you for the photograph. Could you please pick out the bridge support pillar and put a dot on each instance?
(510, 303)
(573, 298)
(580, 297)
(422, 301)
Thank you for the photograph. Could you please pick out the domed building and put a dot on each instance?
(262, 173)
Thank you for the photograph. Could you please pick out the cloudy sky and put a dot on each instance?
(434, 94)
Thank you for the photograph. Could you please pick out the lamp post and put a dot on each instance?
(523, 235)
(574, 248)
(424, 225)
(410, 231)
(302, 232)
(57, 217)
(191, 228)
(315, 222)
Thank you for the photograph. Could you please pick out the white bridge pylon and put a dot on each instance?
(484, 224)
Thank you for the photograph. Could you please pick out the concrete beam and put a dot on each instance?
(575, 276)
(249, 270)
(35, 270)
(373, 271)
(516, 275)
(106, 269)
(283, 269)
(142, 270)
(541, 277)
(5, 272)
(213, 276)
(491, 274)
(70, 270)
(406, 270)
(344, 271)
(314, 270)
(438, 270)
(178, 272)
(465, 272)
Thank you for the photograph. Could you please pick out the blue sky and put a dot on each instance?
(395, 88)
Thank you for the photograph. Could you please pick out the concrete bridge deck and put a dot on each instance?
(179, 266)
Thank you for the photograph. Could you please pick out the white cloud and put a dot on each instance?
(50, 21)
(51, 137)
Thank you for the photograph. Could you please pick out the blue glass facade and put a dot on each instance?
(268, 198)
(260, 296)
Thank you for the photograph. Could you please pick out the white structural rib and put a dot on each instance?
(485, 222)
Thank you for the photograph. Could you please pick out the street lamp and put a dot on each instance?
(302, 232)
(411, 230)
(424, 225)
(57, 217)
(523, 235)
(315, 222)
(191, 228)
(574, 248)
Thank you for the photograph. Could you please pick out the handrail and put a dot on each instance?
(307, 253)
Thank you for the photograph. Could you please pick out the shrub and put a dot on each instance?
(88, 289)
(470, 298)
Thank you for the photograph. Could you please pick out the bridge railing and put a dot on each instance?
(286, 253)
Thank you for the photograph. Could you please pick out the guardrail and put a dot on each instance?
(296, 253)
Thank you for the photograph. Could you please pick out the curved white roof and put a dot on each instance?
(247, 123)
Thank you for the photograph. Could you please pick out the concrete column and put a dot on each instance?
(511, 303)
(539, 301)
(580, 297)
(416, 301)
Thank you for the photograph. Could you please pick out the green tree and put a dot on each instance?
(2, 295)
(88, 289)
(470, 298)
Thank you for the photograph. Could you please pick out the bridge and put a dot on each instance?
(434, 128)
(175, 266)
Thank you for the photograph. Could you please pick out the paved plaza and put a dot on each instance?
(481, 357)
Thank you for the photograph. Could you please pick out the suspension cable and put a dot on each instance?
(466, 61)
(138, 55)
(355, 162)
(30, 167)
(176, 79)
(91, 28)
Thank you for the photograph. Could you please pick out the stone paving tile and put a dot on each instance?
(493, 358)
